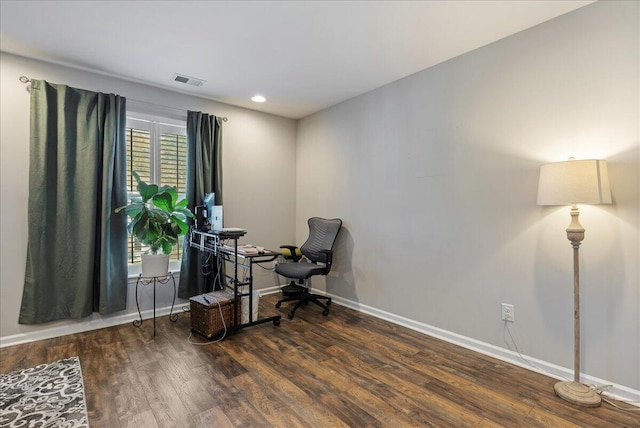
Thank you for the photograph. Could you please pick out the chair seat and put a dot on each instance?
(300, 270)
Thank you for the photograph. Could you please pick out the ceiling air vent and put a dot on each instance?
(188, 80)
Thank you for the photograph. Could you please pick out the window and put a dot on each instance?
(157, 151)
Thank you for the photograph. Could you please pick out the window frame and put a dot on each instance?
(156, 126)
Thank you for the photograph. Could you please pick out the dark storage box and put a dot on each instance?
(211, 312)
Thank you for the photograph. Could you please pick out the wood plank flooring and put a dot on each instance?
(345, 370)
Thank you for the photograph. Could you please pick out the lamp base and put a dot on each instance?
(577, 393)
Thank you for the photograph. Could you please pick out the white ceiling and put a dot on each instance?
(303, 56)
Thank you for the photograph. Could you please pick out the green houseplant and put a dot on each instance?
(157, 219)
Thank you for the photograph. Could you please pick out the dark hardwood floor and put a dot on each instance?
(347, 369)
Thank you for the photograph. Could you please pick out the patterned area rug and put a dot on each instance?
(49, 395)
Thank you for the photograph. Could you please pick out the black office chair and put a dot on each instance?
(318, 250)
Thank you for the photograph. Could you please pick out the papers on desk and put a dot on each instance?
(243, 249)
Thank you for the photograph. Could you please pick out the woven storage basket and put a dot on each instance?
(205, 312)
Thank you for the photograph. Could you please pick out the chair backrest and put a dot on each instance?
(322, 236)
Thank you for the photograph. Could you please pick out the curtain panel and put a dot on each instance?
(204, 175)
(76, 254)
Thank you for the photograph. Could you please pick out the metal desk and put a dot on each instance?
(214, 243)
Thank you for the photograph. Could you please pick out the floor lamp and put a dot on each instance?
(570, 183)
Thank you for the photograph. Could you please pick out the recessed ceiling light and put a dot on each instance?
(258, 99)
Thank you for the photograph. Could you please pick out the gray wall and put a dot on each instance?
(435, 177)
(257, 148)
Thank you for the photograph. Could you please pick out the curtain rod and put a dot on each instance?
(25, 79)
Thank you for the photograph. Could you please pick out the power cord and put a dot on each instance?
(519, 351)
(600, 390)
(603, 390)
(206, 267)
(271, 269)
(217, 278)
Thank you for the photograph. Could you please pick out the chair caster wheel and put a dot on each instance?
(328, 302)
(276, 322)
(325, 312)
(278, 305)
(290, 315)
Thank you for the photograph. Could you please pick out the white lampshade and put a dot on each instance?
(574, 182)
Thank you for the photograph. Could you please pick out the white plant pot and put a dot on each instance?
(155, 265)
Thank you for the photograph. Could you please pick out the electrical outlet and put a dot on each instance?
(507, 313)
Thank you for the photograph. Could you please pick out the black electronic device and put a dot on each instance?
(201, 217)
(209, 202)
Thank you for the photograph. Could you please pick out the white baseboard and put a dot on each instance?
(80, 327)
(615, 391)
(612, 390)
(96, 321)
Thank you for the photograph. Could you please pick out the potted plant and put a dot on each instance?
(157, 219)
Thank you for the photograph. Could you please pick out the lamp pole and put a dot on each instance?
(575, 392)
(575, 234)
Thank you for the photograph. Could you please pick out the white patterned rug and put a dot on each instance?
(49, 395)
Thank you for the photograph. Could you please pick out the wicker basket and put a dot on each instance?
(206, 309)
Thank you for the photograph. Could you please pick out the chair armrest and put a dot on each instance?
(327, 259)
(328, 256)
(293, 252)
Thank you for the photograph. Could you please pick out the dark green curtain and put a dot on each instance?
(204, 175)
(77, 247)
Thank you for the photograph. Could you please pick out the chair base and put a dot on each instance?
(303, 297)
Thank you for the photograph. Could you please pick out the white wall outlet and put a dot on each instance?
(507, 313)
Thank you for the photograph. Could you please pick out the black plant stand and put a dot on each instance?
(144, 280)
